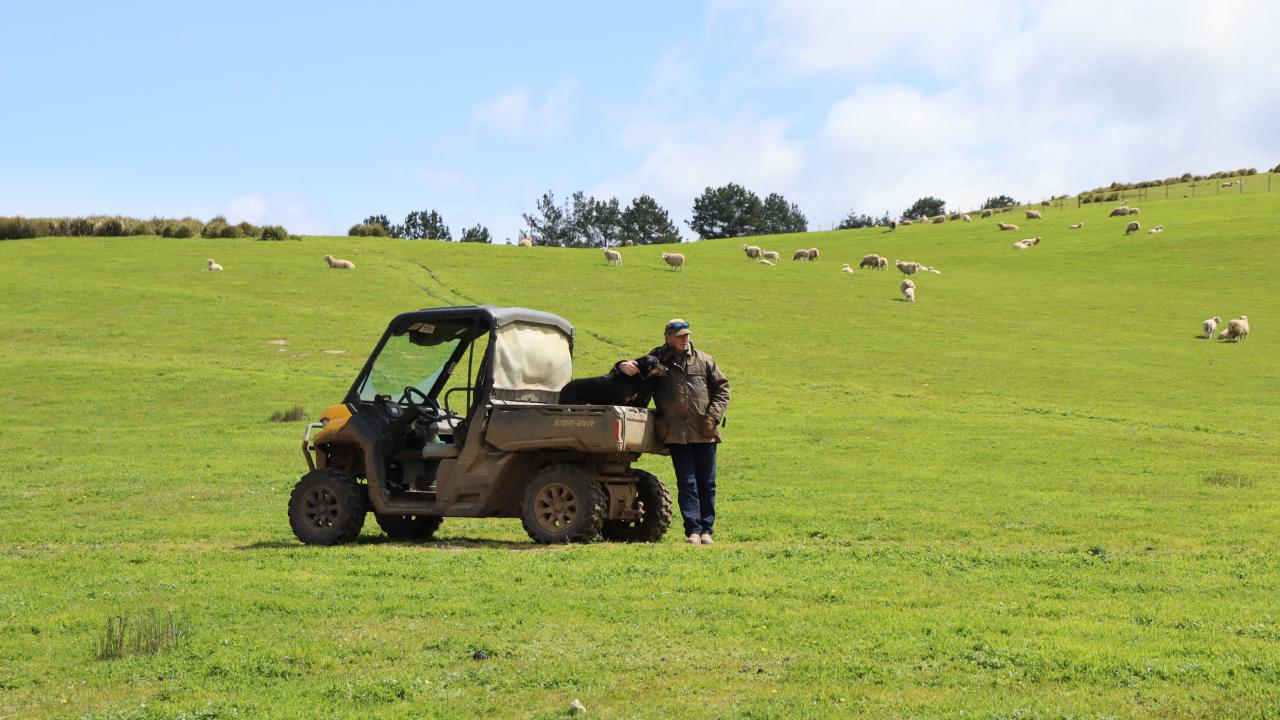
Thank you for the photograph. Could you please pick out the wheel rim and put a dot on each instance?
(320, 507)
(555, 507)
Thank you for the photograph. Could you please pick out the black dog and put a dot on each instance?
(615, 388)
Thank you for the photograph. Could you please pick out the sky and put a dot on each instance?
(316, 115)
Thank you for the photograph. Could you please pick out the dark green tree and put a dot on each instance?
(645, 222)
(426, 225)
(779, 216)
(388, 228)
(927, 205)
(997, 202)
(855, 220)
(727, 211)
(477, 234)
(549, 224)
(596, 223)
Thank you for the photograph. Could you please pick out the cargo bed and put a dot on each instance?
(582, 428)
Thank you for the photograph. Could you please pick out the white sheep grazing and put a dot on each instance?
(986, 214)
(752, 251)
(675, 260)
(1210, 326)
(846, 269)
(933, 270)
(1033, 215)
(772, 255)
(1007, 226)
(1134, 211)
(762, 261)
(882, 264)
(212, 265)
(525, 241)
(813, 254)
(893, 225)
(1133, 227)
(966, 218)
(1226, 184)
(954, 216)
(1239, 329)
(1035, 240)
(1119, 212)
(872, 261)
(1075, 226)
(1021, 245)
(337, 264)
(906, 222)
(939, 219)
(802, 254)
(908, 289)
(629, 243)
(907, 268)
(1155, 230)
(612, 257)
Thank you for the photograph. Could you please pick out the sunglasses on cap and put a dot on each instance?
(678, 326)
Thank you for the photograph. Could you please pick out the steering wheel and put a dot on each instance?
(427, 408)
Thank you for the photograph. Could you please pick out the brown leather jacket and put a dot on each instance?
(692, 397)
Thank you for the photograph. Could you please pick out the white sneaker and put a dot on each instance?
(695, 539)
(706, 539)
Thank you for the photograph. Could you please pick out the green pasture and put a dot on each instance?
(1033, 493)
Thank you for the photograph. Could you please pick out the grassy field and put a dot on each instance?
(1033, 493)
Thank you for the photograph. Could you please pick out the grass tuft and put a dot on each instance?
(150, 633)
(1226, 479)
(293, 414)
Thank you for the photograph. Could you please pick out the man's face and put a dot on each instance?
(679, 343)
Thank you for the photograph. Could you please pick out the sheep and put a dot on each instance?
(907, 268)
(893, 225)
(771, 255)
(1155, 230)
(612, 257)
(1045, 203)
(939, 219)
(1134, 211)
(801, 254)
(986, 213)
(1021, 245)
(629, 243)
(872, 261)
(675, 260)
(954, 216)
(1210, 326)
(762, 261)
(846, 269)
(813, 254)
(966, 218)
(1007, 226)
(1227, 184)
(908, 289)
(211, 265)
(882, 263)
(1033, 215)
(935, 271)
(1119, 212)
(525, 241)
(752, 251)
(1239, 329)
(906, 222)
(1033, 241)
(1075, 226)
(1133, 227)
(337, 264)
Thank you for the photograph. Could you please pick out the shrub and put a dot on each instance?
(16, 228)
(1251, 171)
(367, 230)
(139, 228)
(274, 232)
(183, 231)
(79, 227)
(248, 229)
(167, 232)
(111, 227)
(1086, 200)
(230, 231)
(1276, 169)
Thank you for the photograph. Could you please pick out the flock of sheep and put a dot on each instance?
(1237, 329)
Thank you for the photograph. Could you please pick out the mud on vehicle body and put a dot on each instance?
(454, 414)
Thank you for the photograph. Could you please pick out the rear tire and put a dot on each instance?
(327, 507)
(408, 527)
(563, 504)
(655, 520)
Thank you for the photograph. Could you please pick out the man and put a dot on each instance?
(691, 398)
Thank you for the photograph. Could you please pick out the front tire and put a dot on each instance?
(654, 521)
(327, 507)
(408, 527)
(563, 504)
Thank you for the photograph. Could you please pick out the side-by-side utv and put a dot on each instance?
(455, 414)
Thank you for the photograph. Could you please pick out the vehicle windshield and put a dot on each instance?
(415, 358)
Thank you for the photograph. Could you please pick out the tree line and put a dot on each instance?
(17, 228)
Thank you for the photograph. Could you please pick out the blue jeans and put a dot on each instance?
(695, 466)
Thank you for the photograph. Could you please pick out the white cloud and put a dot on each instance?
(518, 111)
(298, 212)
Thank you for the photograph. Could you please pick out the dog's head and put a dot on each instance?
(651, 367)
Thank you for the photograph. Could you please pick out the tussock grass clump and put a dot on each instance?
(150, 633)
(1226, 479)
(293, 414)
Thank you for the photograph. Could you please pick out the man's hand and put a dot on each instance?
(629, 367)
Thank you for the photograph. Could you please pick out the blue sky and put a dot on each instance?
(315, 116)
